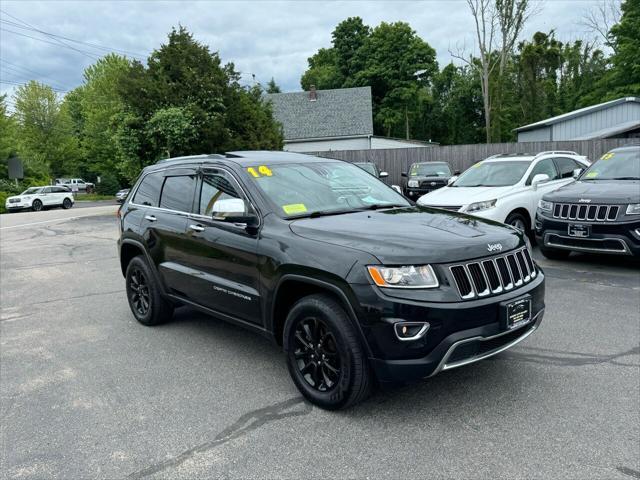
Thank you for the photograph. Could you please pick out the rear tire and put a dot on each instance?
(144, 295)
(325, 357)
(36, 206)
(66, 204)
(554, 253)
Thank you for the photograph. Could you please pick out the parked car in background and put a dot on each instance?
(121, 196)
(426, 177)
(372, 168)
(37, 198)
(357, 284)
(507, 188)
(76, 184)
(599, 213)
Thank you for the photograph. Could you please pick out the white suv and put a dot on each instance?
(37, 198)
(507, 188)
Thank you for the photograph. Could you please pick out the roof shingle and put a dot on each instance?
(342, 112)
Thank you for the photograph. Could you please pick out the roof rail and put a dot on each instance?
(558, 152)
(191, 157)
(498, 155)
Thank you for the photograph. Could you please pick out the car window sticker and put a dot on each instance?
(294, 208)
(591, 175)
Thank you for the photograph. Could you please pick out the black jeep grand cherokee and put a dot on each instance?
(354, 282)
(599, 213)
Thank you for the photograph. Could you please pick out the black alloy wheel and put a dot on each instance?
(139, 292)
(36, 206)
(66, 203)
(144, 294)
(325, 355)
(316, 354)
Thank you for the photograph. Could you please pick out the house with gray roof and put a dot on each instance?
(615, 119)
(324, 120)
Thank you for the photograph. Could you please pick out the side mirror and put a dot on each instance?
(539, 178)
(383, 174)
(404, 174)
(456, 173)
(577, 172)
(451, 180)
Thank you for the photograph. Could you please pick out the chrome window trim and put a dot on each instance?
(198, 172)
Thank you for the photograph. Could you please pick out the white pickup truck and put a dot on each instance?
(76, 184)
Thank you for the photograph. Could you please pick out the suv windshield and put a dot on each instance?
(32, 191)
(493, 174)
(429, 170)
(623, 165)
(322, 188)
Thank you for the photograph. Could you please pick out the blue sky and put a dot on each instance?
(264, 38)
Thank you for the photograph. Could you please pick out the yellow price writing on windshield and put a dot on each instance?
(607, 156)
(262, 170)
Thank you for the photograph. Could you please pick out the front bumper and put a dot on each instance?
(459, 332)
(415, 193)
(17, 206)
(613, 238)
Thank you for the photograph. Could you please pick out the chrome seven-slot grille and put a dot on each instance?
(494, 275)
(595, 213)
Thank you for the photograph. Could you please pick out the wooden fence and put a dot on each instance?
(461, 157)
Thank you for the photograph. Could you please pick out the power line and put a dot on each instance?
(13, 68)
(60, 42)
(21, 84)
(93, 45)
(89, 55)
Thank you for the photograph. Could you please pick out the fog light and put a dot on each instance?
(408, 331)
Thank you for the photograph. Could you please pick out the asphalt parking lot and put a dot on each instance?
(87, 392)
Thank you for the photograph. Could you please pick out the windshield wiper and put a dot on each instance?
(324, 213)
(622, 178)
(378, 206)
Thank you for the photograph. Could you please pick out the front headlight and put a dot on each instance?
(478, 206)
(545, 206)
(633, 209)
(413, 183)
(410, 276)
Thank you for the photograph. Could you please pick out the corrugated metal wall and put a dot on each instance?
(460, 157)
(596, 121)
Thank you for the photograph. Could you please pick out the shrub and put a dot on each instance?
(3, 199)
(109, 185)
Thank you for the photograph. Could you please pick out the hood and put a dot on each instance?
(414, 235)
(430, 178)
(462, 195)
(599, 191)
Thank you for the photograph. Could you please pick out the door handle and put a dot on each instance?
(197, 228)
(151, 218)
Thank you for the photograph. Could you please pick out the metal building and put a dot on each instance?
(615, 119)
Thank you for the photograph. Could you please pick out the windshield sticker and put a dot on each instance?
(264, 170)
(253, 172)
(591, 175)
(294, 208)
(477, 165)
(607, 156)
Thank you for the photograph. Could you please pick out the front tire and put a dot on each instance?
(66, 204)
(145, 299)
(36, 206)
(554, 253)
(324, 355)
(518, 221)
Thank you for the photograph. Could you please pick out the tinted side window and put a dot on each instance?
(177, 193)
(545, 166)
(58, 190)
(46, 190)
(148, 192)
(567, 166)
(220, 197)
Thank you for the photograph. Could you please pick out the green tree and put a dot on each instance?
(348, 38)
(323, 71)
(46, 141)
(624, 76)
(185, 88)
(272, 87)
(171, 129)
(8, 137)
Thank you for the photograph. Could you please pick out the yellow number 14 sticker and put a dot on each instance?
(261, 170)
